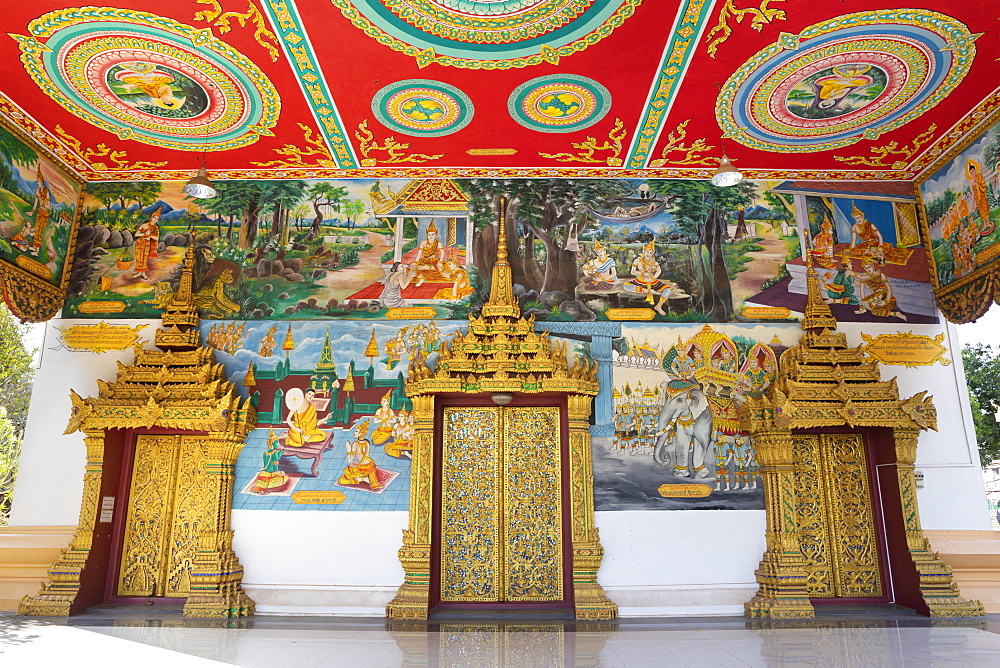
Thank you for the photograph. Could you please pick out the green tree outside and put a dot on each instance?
(982, 374)
(17, 372)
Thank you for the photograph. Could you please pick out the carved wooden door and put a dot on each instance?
(166, 513)
(501, 505)
(837, 533)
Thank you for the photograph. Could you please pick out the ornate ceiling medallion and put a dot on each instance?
(850, 78)
(559, 103)
(148, 78)
(422, 108)
(487, 34)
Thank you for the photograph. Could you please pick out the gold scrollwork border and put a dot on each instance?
(29, 297)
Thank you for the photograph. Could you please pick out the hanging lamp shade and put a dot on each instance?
(200, 187)
(726, 175)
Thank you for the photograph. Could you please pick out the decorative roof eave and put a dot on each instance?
(227, 414)
(917, 412)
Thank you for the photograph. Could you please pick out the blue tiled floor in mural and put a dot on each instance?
(394, 497)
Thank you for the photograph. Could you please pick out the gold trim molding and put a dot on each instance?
(502, 353)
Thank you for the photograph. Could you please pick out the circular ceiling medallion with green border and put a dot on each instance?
(487, 34)
(422, 107)
(559, 103)
(150, 79)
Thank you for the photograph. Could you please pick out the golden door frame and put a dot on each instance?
(540, 401)
(165, 392)
(824, 385)
(586, 596)
(501, 356)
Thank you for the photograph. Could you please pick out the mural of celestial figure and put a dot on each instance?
(397, 278)
(646, 271)
(268, 344)
(41, 208)
(600, 272)
(977, 186)
(270, 477)
(385, 417)
(430, 258)
(153, 82)
(822, 250)
(402, 436)
(685, 427)
(303, 421)
(879, 299)
(360, 466)
(723, 359)
(147, 238)
(832, 90)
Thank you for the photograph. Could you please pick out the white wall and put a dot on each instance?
(50, 474)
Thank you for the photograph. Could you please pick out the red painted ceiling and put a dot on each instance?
(631, 62)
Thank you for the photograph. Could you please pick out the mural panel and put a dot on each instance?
(333, 422)
(38, 203)
(677, 443)
(962, 204)
(581, 250)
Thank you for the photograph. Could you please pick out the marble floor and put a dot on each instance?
(144, 638)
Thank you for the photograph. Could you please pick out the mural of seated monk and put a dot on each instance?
(303, 423)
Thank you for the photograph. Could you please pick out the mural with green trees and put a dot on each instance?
(580, 249)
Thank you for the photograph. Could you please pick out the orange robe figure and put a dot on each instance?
(977, 184)
(303, 427)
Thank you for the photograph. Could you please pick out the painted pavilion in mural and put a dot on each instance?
(460, 284)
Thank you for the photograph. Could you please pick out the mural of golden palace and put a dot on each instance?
(581, 250)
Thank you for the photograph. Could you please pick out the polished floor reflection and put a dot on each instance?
(144, 637)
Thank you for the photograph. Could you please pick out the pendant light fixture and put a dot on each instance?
(726, 174)
(199, 186)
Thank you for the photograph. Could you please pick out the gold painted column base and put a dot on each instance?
(590, 602)
(216, 577)
(937, 587)
(783, 592)
(412, 600)
(59, 593)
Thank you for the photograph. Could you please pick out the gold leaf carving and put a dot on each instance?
(759, 17)
(589, 146)
(881, 153)
(119, 158)
(222, 21)
(394, 149)
(691, 153)
(314, 147)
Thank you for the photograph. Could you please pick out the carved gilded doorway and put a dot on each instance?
(841, 536)
(157, 521)
(500, 518)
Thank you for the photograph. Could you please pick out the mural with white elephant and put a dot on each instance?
(677, 442)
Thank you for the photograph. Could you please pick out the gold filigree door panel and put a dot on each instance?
(501, 505)
(835, 521)
(166, 513)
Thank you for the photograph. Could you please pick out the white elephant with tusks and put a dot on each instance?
(685, 431)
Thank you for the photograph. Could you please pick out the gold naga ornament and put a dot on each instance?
(823, 383)
(180, 388)
(501, 354)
